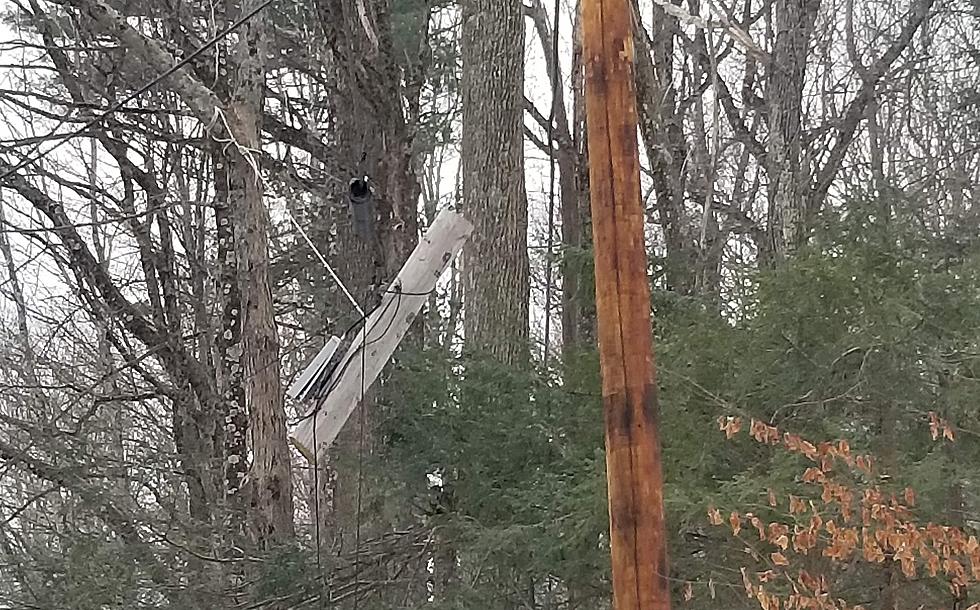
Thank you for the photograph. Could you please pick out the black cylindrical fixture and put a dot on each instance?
(362, 207)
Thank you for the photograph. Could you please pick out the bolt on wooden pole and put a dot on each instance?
(633, 466)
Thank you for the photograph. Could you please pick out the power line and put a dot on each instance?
(326, 264)
(129, 98)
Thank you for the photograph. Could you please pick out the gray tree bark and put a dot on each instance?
(495, 263)
(788, 176)
(270, 514)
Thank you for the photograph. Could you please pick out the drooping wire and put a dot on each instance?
(362, 352)
(323, 260)
(555, 78)
(360, 469)
(362, 349)
(60, 140)
(338, 371)
(316, 517)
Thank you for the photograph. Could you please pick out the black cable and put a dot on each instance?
(338, 372)
(360, 473)
(364, 344)
(342, 368)
(316, 516)
(132, 96)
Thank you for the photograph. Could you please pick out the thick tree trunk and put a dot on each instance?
(231, 177)
(375, 139)
(496, 266)
(248, 344)
(270, 517)
(230, 375)
(788, 175)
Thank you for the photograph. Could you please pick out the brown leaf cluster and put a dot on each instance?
(844, 520)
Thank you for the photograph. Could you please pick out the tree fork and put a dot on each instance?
(633, 465)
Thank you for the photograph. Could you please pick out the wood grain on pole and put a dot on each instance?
(633, 465)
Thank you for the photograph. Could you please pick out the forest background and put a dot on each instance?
(811, 173)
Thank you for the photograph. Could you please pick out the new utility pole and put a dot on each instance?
(629, 392)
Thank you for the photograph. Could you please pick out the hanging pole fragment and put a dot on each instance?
(633, 465)
(382, 331)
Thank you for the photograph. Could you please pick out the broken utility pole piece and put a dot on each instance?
(382, 332)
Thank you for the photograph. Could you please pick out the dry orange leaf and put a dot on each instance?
(909, 496)
(813, 475)
(782, 542)
(749, 587)
(948, 433)
(730, 425)
(736, 523)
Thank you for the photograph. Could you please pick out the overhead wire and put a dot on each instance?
(218, 37)
(323, 260)
(62, 139)
(32, 156)
(337, 372)
(360, 468)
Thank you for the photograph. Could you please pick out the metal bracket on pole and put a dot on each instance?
(382, 332)
(312, 375)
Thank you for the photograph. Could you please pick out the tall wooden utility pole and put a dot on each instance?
(629, 392)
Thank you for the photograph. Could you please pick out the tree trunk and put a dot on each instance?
(788, 178)
(661, 130)
(710, 242)
(375, 139)
(271, 514)
(576, 268)
(231, 178)
(254, 361)
(584, 310)
(496, 266)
